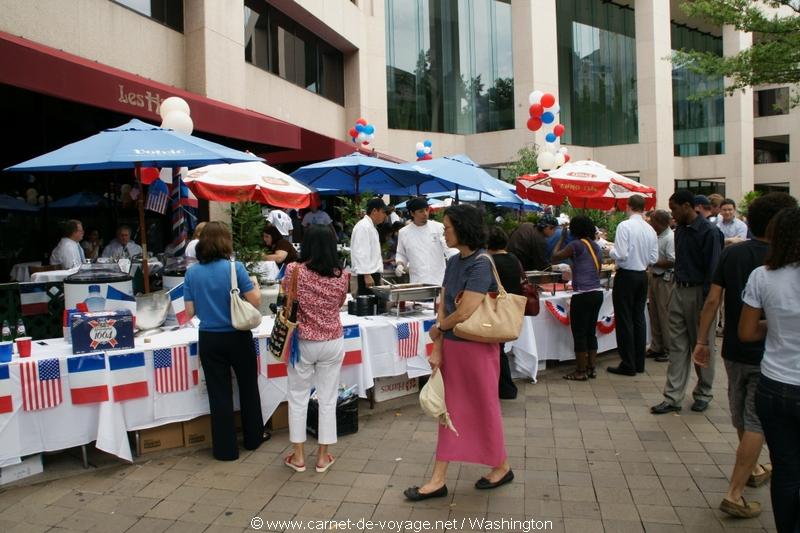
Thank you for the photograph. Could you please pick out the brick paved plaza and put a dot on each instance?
(587, 457)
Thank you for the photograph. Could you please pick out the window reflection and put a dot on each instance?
(276, 43)
(449, 65)
(167, 12)
(597, 73)
(698, 125)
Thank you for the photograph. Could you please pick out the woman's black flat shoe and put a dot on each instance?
(484, 483)
(413, 493)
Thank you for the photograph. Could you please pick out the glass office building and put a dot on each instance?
(449, 65)
(597, 73)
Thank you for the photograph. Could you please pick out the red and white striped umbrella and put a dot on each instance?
(586, 184)
(241, 182)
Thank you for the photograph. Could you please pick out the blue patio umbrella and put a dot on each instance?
(9, 203)
(134, 145)
(81, 200)
(459, 172)
(356, 172)
(475, 196)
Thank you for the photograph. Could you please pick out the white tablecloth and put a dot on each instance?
(21, 272)
(52, 275)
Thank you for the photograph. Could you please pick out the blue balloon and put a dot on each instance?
(420, 153)
(369, 129)
(359, 128)
(428, 143)
(550, 137)
(548, 117)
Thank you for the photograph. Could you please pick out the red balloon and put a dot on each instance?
(534, 124)
(362, 121)
(536, 110)
(548, 100)
(365, 143)
(558, 129)
(427, 157)
(566, 158)
(353, 132)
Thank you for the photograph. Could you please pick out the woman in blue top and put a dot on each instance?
(588, 295)
(207, 289)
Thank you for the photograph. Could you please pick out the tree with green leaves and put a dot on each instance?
(247, 222)
(773, 58)
(525, 163)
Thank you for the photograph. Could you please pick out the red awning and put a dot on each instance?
(42, 69)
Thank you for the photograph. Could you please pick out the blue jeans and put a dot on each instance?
(778, 407)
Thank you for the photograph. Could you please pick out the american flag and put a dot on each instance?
(184, 213)
(172, 369)
(157, 197)
(257, 345)
(408, 339)
(41, 384)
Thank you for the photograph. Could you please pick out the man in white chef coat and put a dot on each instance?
(365, 248)
(421, 249)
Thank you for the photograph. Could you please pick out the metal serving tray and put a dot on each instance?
(406, 291)
(540, 277)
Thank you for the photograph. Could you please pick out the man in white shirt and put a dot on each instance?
(68, 253)
(635, 248)
(421, 249)
(365, 247)
(122, 247)
(315, 216)
(660, 286)
(732, 228)
(392, 214)
(282, 221)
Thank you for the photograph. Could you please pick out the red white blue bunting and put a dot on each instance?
(606, 324)
(560, 312)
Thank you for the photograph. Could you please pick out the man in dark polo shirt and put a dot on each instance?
(529, 242)
(742, 359)
(697, 250)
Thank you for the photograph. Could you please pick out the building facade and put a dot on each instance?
(289, 78)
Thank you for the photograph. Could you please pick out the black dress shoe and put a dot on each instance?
(654, 355)
(664, 408)
(699, 406)
(484, 483)
(662, 358)
(621, 371)
(413, 493)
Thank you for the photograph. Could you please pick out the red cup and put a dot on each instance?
(24, 346)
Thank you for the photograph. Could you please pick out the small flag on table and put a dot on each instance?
(426, 326)
(194, 362)
(87, 378)
(33, 298)
(119, 300)
(352, 345)
(128, 376)
(257, 345)
(6, 405)
(408, 339)
(41, 384)
(178, 304)
(172, 369)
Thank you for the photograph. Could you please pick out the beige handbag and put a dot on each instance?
(244, 316)
(497, 319)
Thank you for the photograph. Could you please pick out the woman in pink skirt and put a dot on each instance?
(470, 370)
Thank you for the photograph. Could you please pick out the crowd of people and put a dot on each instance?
(693, 269)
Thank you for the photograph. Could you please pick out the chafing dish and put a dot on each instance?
(151, 311)
(404, 292)
(542, 277)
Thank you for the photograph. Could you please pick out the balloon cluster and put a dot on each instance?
(362, 132)
(424, 150)
(175, 113)
(544, 111)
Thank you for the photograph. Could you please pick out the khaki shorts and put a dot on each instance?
(742, 383)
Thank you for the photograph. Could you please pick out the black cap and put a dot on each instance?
(375, 203)
(702, 199)
(547, 221)
(417, 203)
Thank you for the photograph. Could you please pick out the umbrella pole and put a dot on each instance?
(143, 229)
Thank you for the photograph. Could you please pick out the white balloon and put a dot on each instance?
(555, 110)
(560, 160)
(535, 97)
(545, 161)
(173, 103)
(427, 149)
(179, 121)
(420, 146)
(372, 136)
(550, 147)
(562, 150)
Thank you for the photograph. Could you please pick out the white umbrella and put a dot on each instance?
(252, 181)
